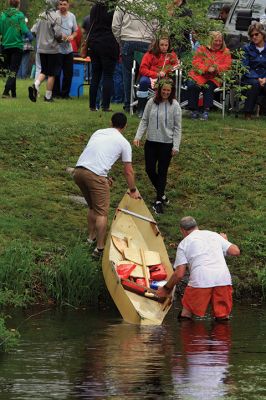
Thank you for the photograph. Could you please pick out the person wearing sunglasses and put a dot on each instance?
(255, 61)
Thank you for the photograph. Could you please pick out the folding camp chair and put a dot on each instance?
(135, 78)
(181, 86)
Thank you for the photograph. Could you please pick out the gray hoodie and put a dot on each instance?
(48, 32)
(127, 27)
(162, 123)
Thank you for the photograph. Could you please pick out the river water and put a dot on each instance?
(93, 354)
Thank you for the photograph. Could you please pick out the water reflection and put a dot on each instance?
(130, 365)
(155, 363)
(70, 355)
(201, 370)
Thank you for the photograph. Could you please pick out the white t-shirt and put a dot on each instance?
(204, 252)
(104, 148)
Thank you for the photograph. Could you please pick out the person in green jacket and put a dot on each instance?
(13, 30)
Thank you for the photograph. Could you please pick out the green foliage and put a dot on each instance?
(61, 276)
(262, 280)
(234, 75)
(8, 337)
(163, 16)
(72, 278)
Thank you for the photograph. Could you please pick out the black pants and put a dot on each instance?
(12, 61)
(101, 66)
(193, 94)
(157, 160)
(252, 94)
(66, 66)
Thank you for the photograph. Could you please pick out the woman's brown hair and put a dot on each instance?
(158, 96)
(256, 26)
(155, 49)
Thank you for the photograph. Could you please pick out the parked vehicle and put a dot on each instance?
(215, 8)
(241, 15)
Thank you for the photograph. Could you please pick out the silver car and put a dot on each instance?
(241, 15)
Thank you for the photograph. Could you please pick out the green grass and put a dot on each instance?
(217, 178)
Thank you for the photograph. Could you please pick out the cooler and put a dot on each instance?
(77, 80)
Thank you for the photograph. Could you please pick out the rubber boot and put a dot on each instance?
(141, 106)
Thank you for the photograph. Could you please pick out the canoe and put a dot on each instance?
(134, 232)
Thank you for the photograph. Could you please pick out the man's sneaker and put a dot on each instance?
(194, 115)
(51, 100)
(97, 253)
(204, 116)
(33, 93)
(165, 200)
(91, 242)
(158, 207)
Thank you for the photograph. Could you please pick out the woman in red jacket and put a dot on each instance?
(159, 62)
(209, 62)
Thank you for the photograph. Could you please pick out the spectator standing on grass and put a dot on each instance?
(13, 30)
(203, 252)
(132, 34)
(104, 148)
(69, 27)
(178, 9)
(162, 121)
(104, 53)
(24, 68)
(48, 34)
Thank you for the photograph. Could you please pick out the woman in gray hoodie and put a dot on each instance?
(162, 121)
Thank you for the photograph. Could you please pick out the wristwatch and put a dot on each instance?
(133, 190)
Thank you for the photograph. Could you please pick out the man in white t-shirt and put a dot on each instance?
(209, 280)
(104, 148)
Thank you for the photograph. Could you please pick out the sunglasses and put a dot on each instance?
(255, 34)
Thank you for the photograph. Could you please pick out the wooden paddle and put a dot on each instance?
(145, 268)
(151, 257)
(119, 243)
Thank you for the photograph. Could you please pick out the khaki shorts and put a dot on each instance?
(95, 189)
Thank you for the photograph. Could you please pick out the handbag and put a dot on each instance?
(85, 44)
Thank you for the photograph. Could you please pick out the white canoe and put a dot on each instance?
(135, 226)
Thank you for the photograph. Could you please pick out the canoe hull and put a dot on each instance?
(134, 308)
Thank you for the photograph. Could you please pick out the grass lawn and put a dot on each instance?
(217, 178)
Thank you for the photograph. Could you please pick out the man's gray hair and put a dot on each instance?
(188, 223)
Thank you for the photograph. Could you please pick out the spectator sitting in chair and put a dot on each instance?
(255, 60)
(159, 62)
(208, 64)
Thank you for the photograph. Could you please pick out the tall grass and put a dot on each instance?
(29, 275)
